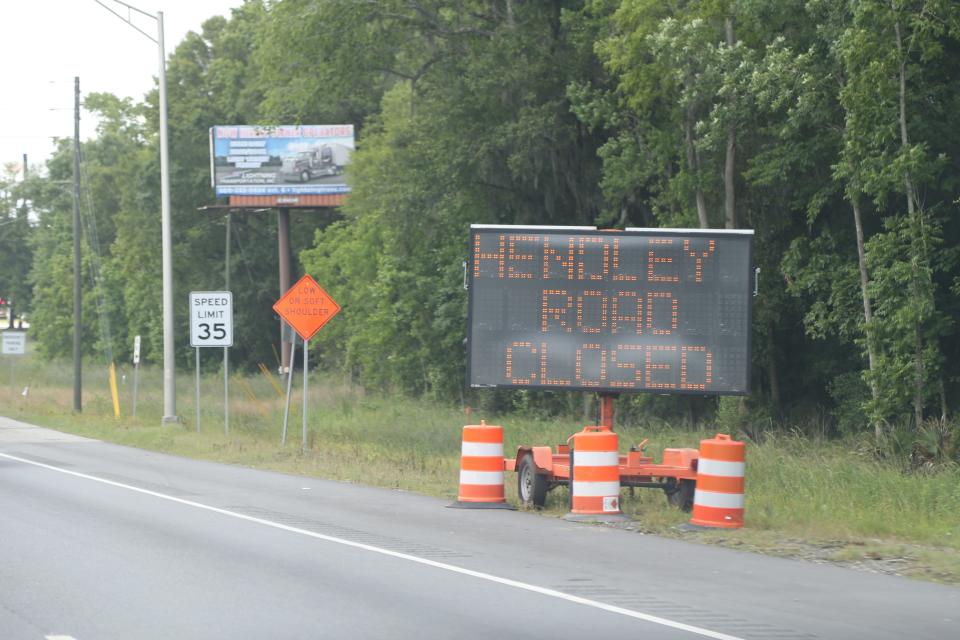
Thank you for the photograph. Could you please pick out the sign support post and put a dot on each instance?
(197, 350)
(306, 368)
(286, 405)
(136, 371)
(307, 308)
(211, 325)
(226, 391)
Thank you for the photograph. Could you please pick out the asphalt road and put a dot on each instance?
(99, 541)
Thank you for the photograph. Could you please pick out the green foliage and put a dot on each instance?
(608, 112)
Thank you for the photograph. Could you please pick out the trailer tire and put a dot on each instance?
(680, 493)
(304, 176)
(531, 486)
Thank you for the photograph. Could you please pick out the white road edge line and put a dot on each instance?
(552, 593)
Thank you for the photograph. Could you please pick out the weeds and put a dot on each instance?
(806, 494)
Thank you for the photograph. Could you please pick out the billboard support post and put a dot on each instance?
(283, 251)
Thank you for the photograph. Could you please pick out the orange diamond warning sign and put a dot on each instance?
(306, 307)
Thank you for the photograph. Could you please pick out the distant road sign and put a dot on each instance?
(14, 343)
(211, 319)
(136, 350)
(306, 307)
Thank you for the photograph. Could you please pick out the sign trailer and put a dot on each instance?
(664, 311)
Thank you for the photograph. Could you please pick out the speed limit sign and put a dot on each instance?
(211, 319)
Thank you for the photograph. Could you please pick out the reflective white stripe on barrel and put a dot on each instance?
(719, 500)
(596, 459)
(720, 468)
(481, 477)
(482, 449)
(595, 489)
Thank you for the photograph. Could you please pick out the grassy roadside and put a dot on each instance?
(819, 500)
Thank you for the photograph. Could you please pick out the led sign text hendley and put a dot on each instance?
(643, 310)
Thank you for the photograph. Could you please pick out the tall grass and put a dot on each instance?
(798, 487)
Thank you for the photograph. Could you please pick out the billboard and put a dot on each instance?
(282, 160)
(641, 310)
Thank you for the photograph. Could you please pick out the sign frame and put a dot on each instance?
(19, 344)
(634, 231)
(196, 340)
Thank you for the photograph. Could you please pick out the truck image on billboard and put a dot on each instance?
(282, 160)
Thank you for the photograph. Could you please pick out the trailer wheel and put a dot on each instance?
(304, 176)
(680, 494)
(531, 486)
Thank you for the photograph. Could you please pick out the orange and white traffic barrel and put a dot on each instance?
(718, 499)
(481, 468)
(595, 475)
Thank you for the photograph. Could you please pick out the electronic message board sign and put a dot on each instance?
(641, 310)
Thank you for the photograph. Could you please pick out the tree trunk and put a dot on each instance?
(730, 162)
(944, 408)
(693, 164)
(867, 305)
(918, 360)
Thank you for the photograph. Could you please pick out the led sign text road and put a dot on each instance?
(664, 311)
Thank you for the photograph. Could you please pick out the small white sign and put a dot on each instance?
(136, 350)
(14, 343)
(211, 319)
(611, 504)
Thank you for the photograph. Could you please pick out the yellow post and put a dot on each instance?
(114, 392)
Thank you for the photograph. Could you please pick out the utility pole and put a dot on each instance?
(166, 241)
(77, 308)
(169, 364)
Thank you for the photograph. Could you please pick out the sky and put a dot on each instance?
(44, 44)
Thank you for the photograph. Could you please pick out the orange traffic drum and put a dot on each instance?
(718, 499)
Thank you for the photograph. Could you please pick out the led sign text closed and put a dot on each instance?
(661, 311)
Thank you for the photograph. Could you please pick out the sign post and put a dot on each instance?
(211, 325)
(136, 371)
(286, 405)
(307, 308)
(14, 344)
